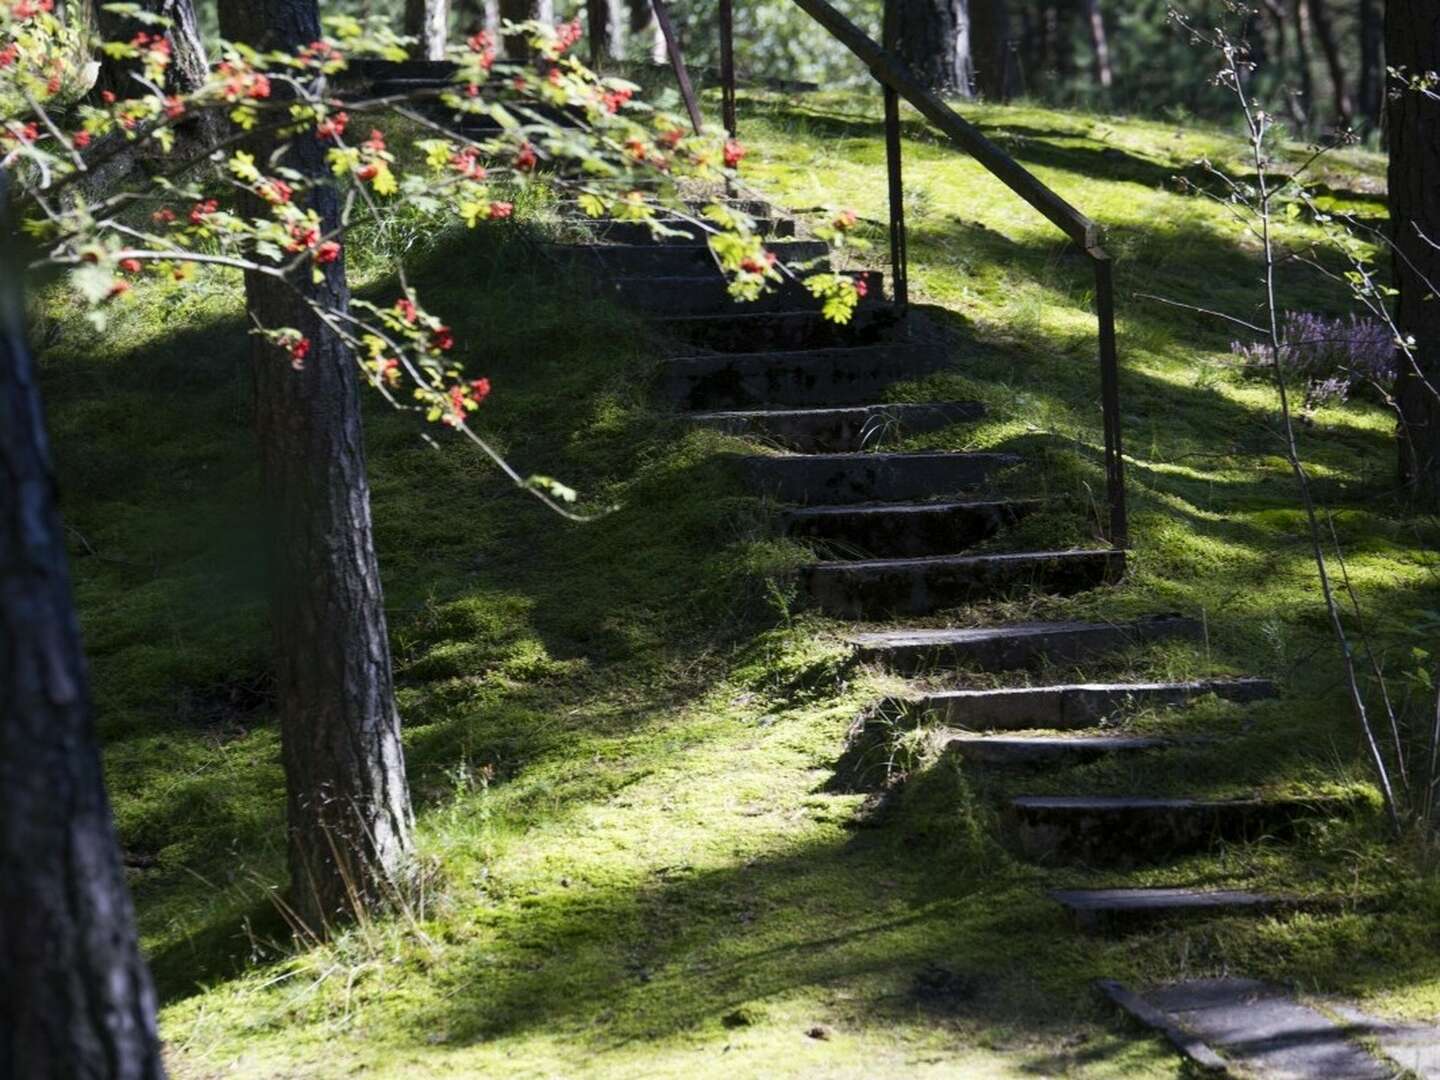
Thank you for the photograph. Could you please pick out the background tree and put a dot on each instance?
(77, 995)
(517, 46)
(1412, 44)
(188, 64)
(428, 21)
(348, 801)
(933, 37)
(606, 20)
(1099, 44)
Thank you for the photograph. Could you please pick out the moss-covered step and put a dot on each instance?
(678, 230)
(831, 479)
(806, 377)
(840, 430)
(709, 294)
(1042, 750)
(1126, 909)
(1129, 829)
(875, 588)
(904, 529)
(1072, 705)
(801, 327)
(671, 260)
(1014, 646)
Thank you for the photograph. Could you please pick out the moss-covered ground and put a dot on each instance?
(620, 734)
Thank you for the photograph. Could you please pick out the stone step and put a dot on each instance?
(1043, 750)
(1020, 645)
(876, 588)
(1073, 705)
(853, 478)
(905, 529)
(1123, 909)
(839, 430)
(1128, 829)
(625, 231)
(790, 331)
(668, 260)
(802, 377)
(709, 294)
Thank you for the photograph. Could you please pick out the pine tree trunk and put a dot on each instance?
(1412, 43)
(989, 40)
(75, 995)
(517, 47)
(1371, 80)
(643, 22)
(428, 21)
(607, 30)
(934, 41)
(188, 63)
(346, 795)
(1306, 108)
(1325, 32)
(1099, 44)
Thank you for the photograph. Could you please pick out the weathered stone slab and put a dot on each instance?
(709, 294)
(1127, 829)
(790, 378)
(1005, 648)
(1117, 909)
(1038, 750)
(619, 231)
(1408, 1045)
(1265, 1032)
(840, 430)
(841, 478)
(1074, 705)
(905, 529)
(801, 328)
(881, 587)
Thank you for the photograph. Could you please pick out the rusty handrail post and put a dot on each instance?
(899, 266)
(727, 66)
(677, 61)
(1110, 397)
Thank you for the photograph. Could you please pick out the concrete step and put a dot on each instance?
(905, 529)
(1124, 909)
(624, 231)
(1042, 750)
(803, 377)
(670, 260)
(709, 295)
(790, 331)
(829, 479)
(1073, 705)
(876, 588)
(840, 430)
(1129, 829)
(1007, 648)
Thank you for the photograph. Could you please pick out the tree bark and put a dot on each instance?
(1371, 82)
(428, 21)
(517, 47)
(643, 22)
(989, 40)
(346, 794)
(1306, 108)
(934, 41)
(1325, 32)
(1099, 44)
(188, 63)
(607, 29)
(1412, 44)
(75, 995)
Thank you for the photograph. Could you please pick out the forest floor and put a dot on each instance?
(620, 734)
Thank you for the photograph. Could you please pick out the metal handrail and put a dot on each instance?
(897, 81)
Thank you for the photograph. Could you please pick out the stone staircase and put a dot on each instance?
(894, 533)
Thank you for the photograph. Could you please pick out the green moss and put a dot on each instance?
(620, 734)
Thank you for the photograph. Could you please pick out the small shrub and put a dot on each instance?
(1331, 356)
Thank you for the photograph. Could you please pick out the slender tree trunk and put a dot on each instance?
(347, 798)
(516, 45)
(188, 63)
(934, 40)
(1099, 44)
(428, 21)
(1325, 32)
(1412, 44)
(75, 995)
(989, 39)
(607, 29)
(1302, 54)
(1372, 72)
(643, 21)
